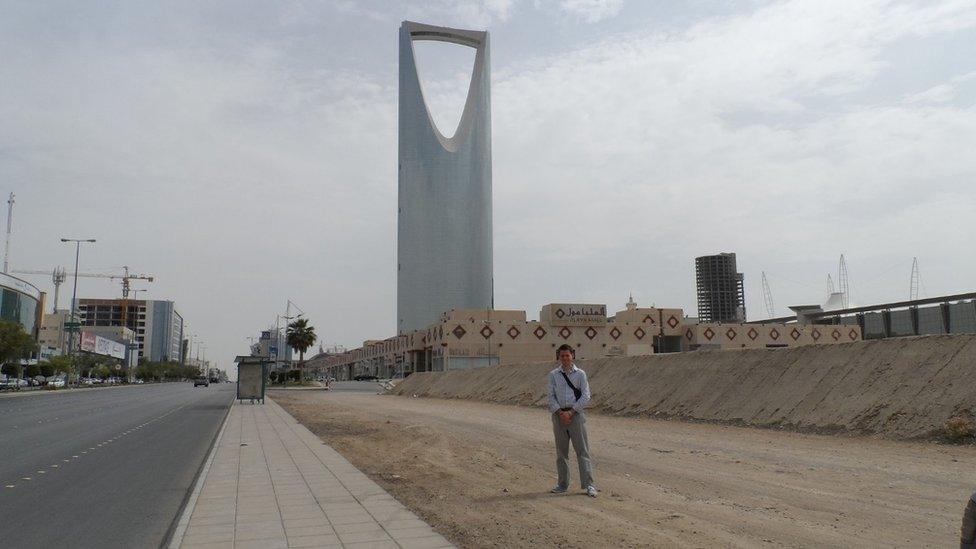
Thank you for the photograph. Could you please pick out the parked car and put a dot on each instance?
(201, 381)
(56, 383)
(138, 382)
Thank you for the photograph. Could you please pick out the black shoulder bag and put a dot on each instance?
(576, 391)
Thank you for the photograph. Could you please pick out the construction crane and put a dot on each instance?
(59, 275)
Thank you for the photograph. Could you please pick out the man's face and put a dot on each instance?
(565, 358)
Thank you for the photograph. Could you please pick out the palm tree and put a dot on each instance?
(300, 336)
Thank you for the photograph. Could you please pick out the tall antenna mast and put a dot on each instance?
(58, 276)
(843, 282)
(6, 247)
(767, 297)
(913, 286)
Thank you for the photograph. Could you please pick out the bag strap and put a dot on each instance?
(576, 391)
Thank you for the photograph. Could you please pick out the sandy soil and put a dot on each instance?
(480, 474)
(900, 388)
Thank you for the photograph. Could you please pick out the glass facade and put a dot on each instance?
(18, 306)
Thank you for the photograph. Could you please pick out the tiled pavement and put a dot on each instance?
(272, 483)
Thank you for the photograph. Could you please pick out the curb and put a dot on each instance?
(176, 533)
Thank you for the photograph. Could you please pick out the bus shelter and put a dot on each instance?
(252, 375)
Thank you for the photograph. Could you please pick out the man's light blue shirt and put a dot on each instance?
(561, 394)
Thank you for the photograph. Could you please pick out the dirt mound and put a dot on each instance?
(899, 388)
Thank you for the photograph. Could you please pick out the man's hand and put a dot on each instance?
(566, 417)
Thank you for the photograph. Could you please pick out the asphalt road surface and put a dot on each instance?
(103, 468)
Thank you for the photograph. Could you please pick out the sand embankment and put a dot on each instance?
(898, 388)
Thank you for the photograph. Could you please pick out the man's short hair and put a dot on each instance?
(566, 347)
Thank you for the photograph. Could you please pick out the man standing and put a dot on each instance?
(569, 393)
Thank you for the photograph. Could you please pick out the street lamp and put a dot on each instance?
(74, 291)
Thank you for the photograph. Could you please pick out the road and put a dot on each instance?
(480, 474)
(103, 468)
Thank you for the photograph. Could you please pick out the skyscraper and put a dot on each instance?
(721, 295)
(444, 231)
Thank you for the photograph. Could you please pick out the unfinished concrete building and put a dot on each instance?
(721, 294)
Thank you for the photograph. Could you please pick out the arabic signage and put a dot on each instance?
(101, 346)
(574, 314)
(19, 285)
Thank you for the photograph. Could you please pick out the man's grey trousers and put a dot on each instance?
(575, 432)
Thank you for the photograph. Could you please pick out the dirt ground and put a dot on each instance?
(480, 473)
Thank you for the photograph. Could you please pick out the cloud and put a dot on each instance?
(592, 11)
(248, 161)
(749, 133)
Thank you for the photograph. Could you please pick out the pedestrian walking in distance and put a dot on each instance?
(569, 393)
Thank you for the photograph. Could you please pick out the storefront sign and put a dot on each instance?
(575, 314)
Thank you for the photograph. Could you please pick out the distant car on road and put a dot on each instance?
(13, 383)
(201, 381)
(56, 383)
(365, 378)
(138, 382)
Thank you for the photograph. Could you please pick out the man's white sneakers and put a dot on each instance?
(591, 491)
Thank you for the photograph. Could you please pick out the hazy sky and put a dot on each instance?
(244, 153)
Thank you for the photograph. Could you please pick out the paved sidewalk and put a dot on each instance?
(272, 483)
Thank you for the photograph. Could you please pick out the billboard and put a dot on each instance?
(102, 346)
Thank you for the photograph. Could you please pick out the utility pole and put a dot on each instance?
(74, 293)
(6, 248)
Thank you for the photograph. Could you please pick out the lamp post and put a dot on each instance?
(74, 291)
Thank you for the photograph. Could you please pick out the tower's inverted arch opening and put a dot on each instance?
(444, 70)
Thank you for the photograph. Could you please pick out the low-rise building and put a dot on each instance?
(474, 338)
(21, 302)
